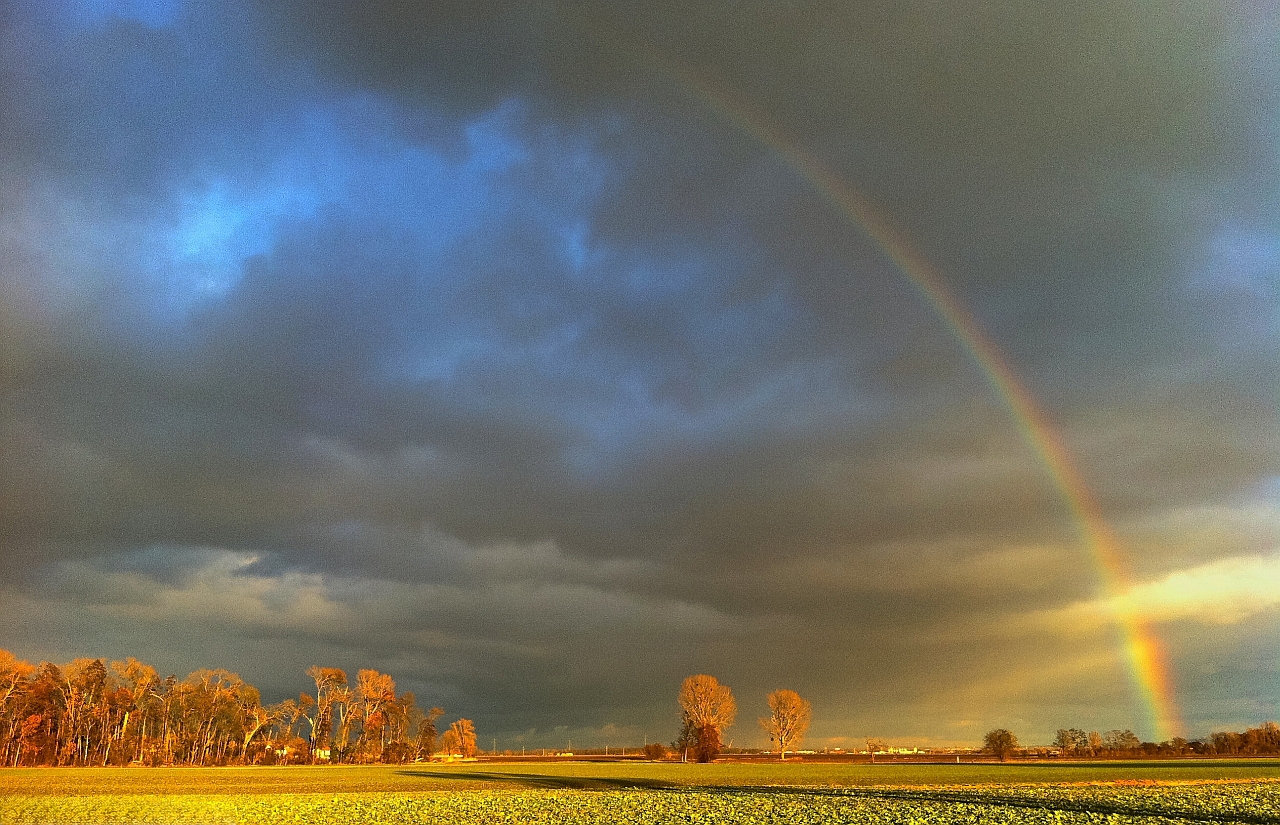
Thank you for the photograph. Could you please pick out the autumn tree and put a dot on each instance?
(466, 731)
(139, 681)
(707, 710)
(788, 719)
(318, 711)
(460, 739)
(83, 687)
(280, 739)
(401, 714)
(346, 712)
(254, 718)
(14, 674)
(1001, 743)
(375, 696)
(427, 733)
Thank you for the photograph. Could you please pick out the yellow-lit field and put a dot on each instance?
(1247, 792)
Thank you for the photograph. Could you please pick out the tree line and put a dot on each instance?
(88, 712)
(1260, 741)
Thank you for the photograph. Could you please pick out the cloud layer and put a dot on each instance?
(476, 343)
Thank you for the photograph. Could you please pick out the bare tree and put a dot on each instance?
(460, 739)
(140, 682)
(328, 681)
(427, 733)
(1121, 741)
(13, 678)
(375, 692)
(280, 738)
(347, 711)
(708, 709)
(788, 719)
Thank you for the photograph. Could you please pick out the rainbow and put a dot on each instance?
(1145, 656)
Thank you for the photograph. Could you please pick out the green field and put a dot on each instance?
(1131, 792)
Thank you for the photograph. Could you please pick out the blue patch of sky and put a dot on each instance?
(1242, 259)
(493, 143)
(219, 226)
(576, 239)
(342, 160)
(1238, 283)
(90, 13)
(507, 181)
(1268, 491)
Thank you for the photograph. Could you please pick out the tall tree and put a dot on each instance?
(375, 696)
(281, 741)
(461, 736)
(788, 719)
(346, 711)
(320, 719)
(427, 733)
(14, 675)
(83, 688)
(709, 709)
(140, 682)
(687, 740)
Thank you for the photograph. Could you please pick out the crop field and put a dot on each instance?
(572, 793)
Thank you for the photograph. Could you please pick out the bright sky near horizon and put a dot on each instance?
(544, 353)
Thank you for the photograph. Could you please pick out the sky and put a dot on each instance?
(542, 354)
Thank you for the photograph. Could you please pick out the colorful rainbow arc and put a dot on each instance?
(1143, 651)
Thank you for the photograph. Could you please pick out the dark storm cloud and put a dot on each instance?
(962, 78)
(473, 342)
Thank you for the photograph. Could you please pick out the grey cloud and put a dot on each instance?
(541, 382)
(967, 78)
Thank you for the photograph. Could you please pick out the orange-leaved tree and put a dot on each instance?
(788, 719)
(707, 709)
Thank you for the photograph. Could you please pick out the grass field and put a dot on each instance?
(1119, 793)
